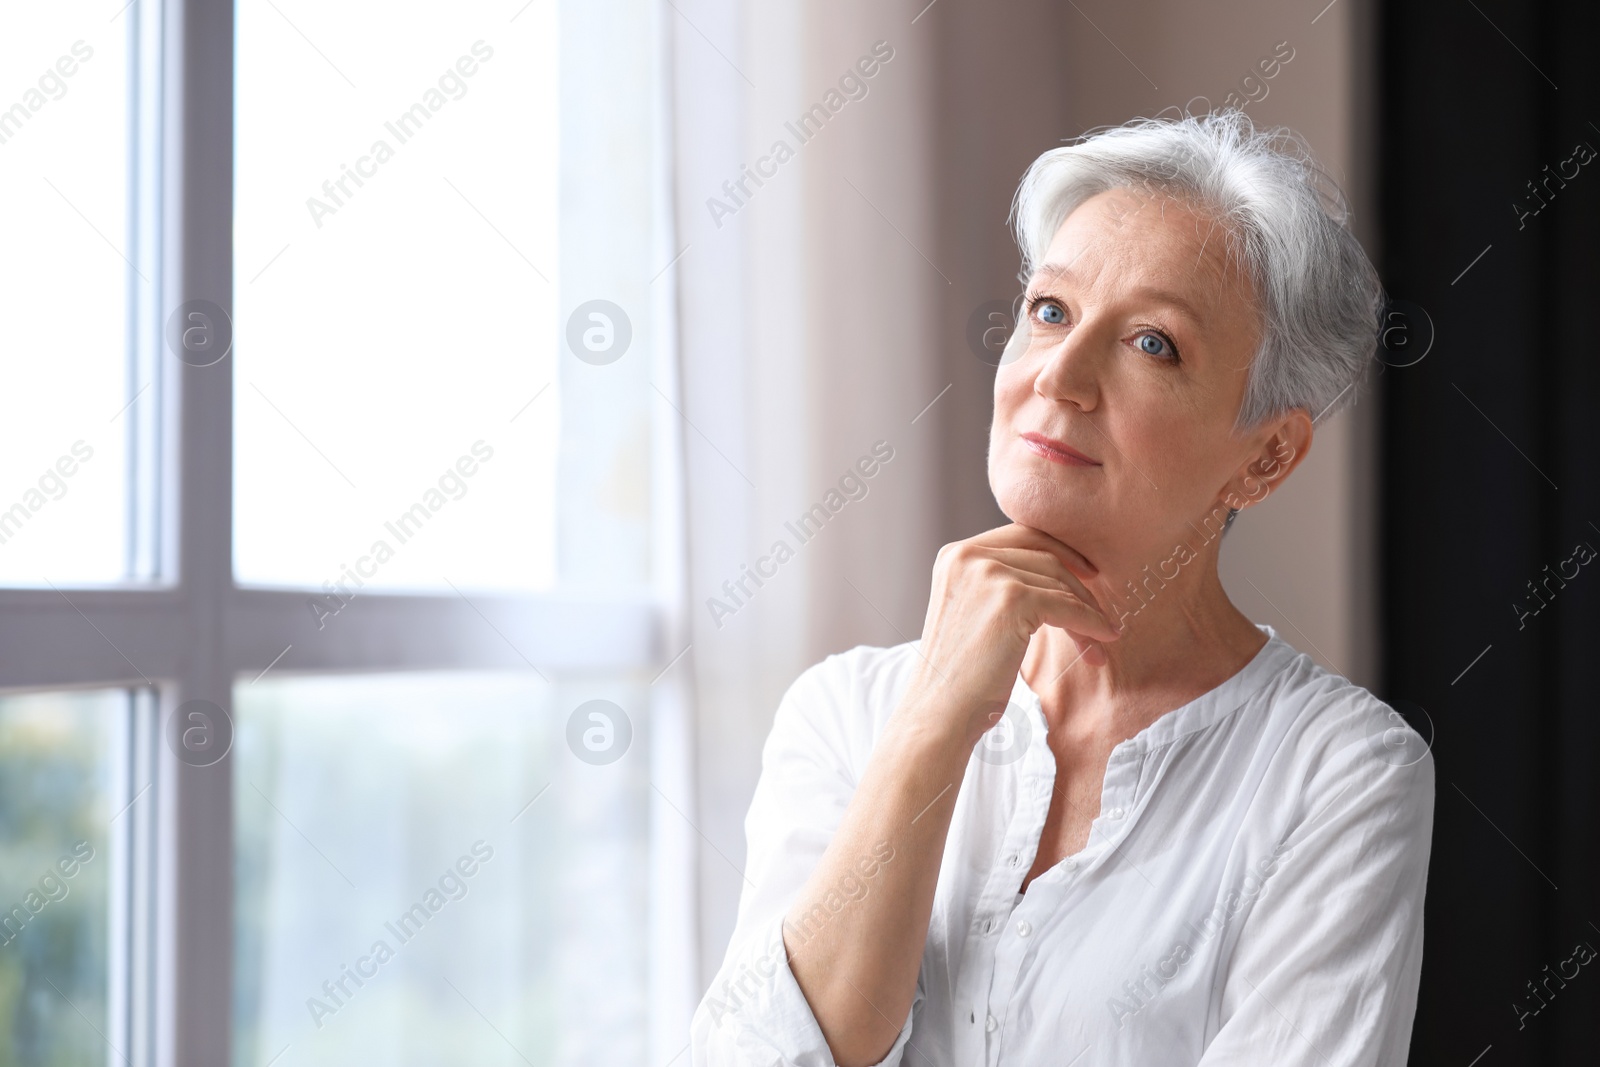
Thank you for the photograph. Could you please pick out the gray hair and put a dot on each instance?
(1320, 300)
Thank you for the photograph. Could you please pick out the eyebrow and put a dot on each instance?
(1062, 271)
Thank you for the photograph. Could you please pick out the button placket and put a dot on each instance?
(1031, 808)
(1121, 781)
(1002, 958)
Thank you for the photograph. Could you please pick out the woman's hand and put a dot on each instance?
(990, 593)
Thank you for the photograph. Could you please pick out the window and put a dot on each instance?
(329, 535)
(396, 273)
(66, 821)
(65, 162)
(416, 854)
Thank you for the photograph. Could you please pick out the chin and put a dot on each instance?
(1033, 500)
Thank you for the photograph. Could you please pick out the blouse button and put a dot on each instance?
(990, 1024)
(1023, 929)
(1070, 864)
(1115, 813)
(1014, 860)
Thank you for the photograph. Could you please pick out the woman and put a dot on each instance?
(1095, 815)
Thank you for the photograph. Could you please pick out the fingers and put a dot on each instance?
(1067, 610)
(1036, 567)
(1040, 562)
(1015, 535)
(1092, 654)
(1026, 559)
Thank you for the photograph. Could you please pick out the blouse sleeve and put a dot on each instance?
(754, 1014)
(1326, 966)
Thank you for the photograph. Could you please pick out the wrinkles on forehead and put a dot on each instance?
(1195, 234)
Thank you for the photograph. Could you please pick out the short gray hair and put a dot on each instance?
(1319, 297)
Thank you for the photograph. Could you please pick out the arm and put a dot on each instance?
(754, 1014)
(858, 969)
(858, 965)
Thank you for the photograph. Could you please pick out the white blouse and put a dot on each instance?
(1251, 892)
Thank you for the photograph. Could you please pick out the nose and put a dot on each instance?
(1069, 370)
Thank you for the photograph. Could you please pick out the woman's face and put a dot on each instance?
(1141, 333)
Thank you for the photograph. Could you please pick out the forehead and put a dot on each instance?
(1130, 237)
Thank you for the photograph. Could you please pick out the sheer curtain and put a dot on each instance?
(804, 345)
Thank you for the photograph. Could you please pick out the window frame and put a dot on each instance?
(183, 628)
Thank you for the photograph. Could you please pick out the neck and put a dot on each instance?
(1181, 638)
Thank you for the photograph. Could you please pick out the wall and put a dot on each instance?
(1020, 76)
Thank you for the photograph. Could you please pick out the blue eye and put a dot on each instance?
(1051, 312)
(1154, 345)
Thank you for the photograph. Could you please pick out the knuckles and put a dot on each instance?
(1008, 596)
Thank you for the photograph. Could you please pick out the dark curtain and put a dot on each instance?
(1489, 129)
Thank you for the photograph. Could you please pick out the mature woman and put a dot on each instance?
(1095, 815)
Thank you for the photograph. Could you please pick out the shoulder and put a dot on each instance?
(868, 676)
(1348, 747)
(1320, 712)
(843, 701)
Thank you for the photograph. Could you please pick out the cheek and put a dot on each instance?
(1011, 390)
(1168, 453)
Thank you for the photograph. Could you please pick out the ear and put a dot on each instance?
(1278, 448)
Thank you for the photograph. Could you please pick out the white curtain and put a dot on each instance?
(803, 343)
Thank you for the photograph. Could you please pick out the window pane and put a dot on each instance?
(57, 781)
(426, 872)
(66, 277)
(394, 285)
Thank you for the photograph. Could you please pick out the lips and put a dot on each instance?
(1057, 451)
